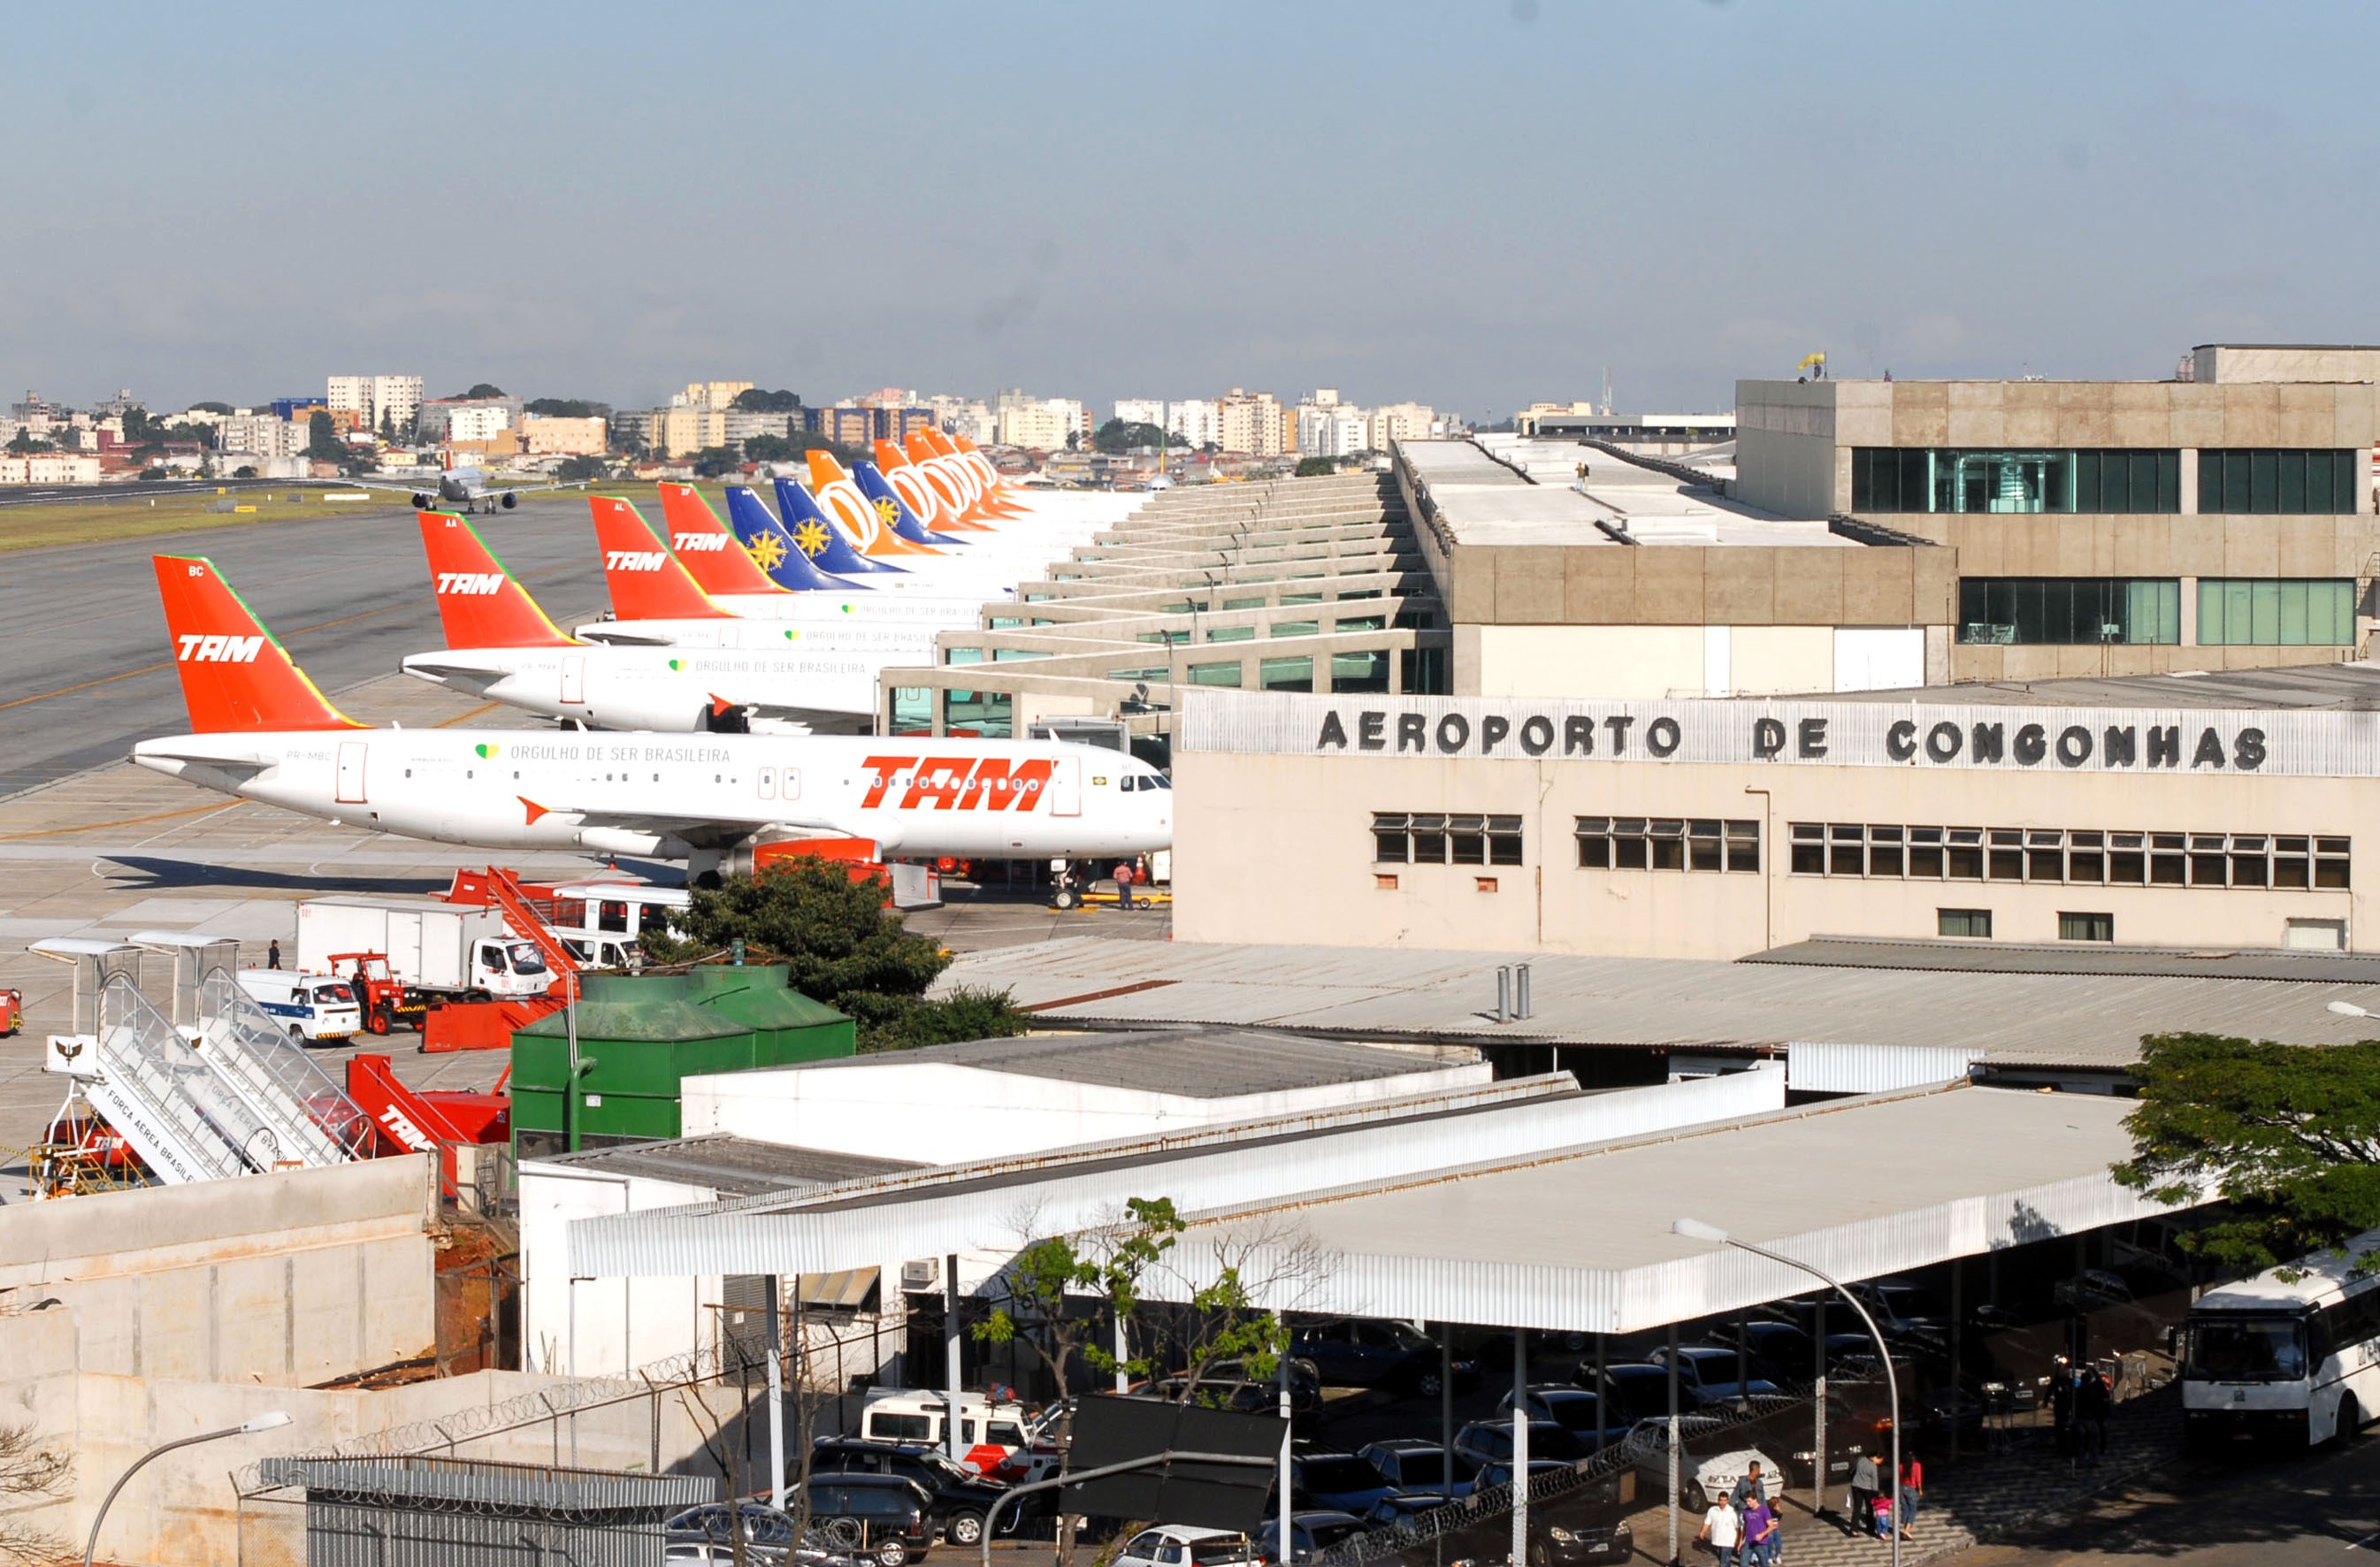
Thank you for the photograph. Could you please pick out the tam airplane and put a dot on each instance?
(500, 645)
(262, 731)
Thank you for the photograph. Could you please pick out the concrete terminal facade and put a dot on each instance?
(2195, 813)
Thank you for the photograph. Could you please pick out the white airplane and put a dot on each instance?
(468, 487)
(262, 731)
(501, 646)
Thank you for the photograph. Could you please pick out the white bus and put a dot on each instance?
(2295, 1359)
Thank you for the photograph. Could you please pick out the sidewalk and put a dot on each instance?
(1966, 1503)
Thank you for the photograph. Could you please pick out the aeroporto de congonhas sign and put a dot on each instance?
(1788, 731)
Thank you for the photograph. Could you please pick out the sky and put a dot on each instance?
(1471, 205)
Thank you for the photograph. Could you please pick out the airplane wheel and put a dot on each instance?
(1065, 899)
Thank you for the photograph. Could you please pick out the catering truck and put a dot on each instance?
(439, 951)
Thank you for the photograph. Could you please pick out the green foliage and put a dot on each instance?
(787, 448)
(211, 408)
(754, 400)
(1116, 436)
(712, 461)
(139, 430)
(323, 437)
(844, 947)
(576, 471)
(24, 441)
(481, 389)
(1316, 467)
(2287, 1135)
(245, 470)
(567, 408)
(1043, 1276)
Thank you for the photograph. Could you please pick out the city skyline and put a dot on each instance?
(1683, 194)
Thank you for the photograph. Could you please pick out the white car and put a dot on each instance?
(1182, 1545)
(1708, 1468)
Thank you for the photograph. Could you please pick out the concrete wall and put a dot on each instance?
(1785, 441)
(2257, 361)
(1682, 660)
(1243, 816)
(1700, 585)
(942, 1113)
(276, 1281)
(185, 1509)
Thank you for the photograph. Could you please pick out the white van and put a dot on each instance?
(312, 1006)
(991, 1436)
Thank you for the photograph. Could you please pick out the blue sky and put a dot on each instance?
(1474, 205)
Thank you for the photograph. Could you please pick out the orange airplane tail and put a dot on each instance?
(478, 602)
(236, 677)
(647, 581)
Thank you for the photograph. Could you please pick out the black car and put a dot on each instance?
(1583, 1526)
(881, 1517)
(1636, 1390)
(1336, 1482)
(768, 1534)
(957, 1499)
(1414, 1466)
(1574, 1408)
(1490, 1442)
(1356, 1353)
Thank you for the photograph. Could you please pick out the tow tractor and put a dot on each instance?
(379, 993)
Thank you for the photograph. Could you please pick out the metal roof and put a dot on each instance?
(1581, 1240)
(2014, 957)
(2093, 1020)
(2343, 687)
(1195, 1063)
(728, 1165)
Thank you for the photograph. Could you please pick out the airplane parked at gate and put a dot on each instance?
(262, 731)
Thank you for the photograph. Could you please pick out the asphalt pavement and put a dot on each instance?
(87, 671)
(2276, 1512)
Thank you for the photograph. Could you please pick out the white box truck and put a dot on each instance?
(439, 951)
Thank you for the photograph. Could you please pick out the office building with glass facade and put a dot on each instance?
(2225, 520)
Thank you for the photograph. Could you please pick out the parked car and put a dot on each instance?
(1637, 1390)
(1779, 1351)
(707, 1533)
(880, 1517)
(1490, 1442)
(1494, 1476)
(1227, 1385)
(1711, 1459)
(1340, 1482)
(957, 1499)
(1414, 1465)
(1574, 1408)
(1398, 1507)
(1186, 1545)
(1715, 1374)
(1358, 1354)
(1784, 1424)
(1309, 1531)
(1579, 1526)
(2091, 1289)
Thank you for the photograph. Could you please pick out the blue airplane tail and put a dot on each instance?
(808, 526)
(905, 522)
(773, 549)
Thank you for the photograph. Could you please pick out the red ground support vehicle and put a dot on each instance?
(12, 1010)
(379, 993)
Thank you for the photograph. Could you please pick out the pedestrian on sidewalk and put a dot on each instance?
(1913, 1495)
(1723, 1530)
(1864, 1486)
(2094, 1405)
(1761, 1535)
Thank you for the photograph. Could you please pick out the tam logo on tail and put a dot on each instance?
(686, 543)
(633, 560)
(470, 581)
(193, 647)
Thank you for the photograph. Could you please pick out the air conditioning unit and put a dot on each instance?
(924, 1274)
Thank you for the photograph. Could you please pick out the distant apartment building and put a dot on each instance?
(49, 467)
(1400, 422)
(263, 435)
(1332, 429)
(1140, 410)
(1195, 422)
(847, 424)
(709, 394)
(684, 429)
(969, 417)
(483, 421)
(542, 436)
(435, 420)
(1039, 424)
(1254, 424)
(742, 424)
(377, 400)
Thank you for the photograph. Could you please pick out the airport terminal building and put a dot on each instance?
(2221, 811)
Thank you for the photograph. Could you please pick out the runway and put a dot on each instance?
(88, 670)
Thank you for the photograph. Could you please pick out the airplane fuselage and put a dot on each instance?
(680, 797)
(816, 672)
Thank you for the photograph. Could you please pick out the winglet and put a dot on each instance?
(236, 677)
(480, 603)
(534, 810)
(706, 548)
(647, 581)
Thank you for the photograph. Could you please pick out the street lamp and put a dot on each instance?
(1696, 1229)
(262, 1423)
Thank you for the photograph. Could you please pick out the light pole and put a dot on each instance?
(262, 1423)
(1696, 1229)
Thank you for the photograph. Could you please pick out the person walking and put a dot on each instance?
(272, 953)
(1762, 1534)
(1723, 1530)
(2094, 1404)
(1864, 1485)
(1913, 1495)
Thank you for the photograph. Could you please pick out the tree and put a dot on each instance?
(211, 408)
(1316, 467)
(712, 461)
(1116, 436)
(567, 408)
(139, 430)
(754, 400)
(844, 947)
(2288, 1135)
(31, 1472)
(577, 470)
(481, 389)
(245, 470)
(770, 449)
(388, 425)
(23, 441)
(322, 438)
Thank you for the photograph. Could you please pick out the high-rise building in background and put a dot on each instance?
(1041, 424)
(379, 402)
(1254, 424)
(709, 394)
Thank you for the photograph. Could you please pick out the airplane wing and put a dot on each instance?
(434, 665)
(705, 831)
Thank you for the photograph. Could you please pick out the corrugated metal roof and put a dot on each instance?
(2343, 687)
(2012, 957)
(730, 1165)
(1197, 1062)
(2001, 1018)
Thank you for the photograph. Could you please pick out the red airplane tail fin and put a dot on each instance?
(478, 602)
(647, 581)
(710, 554)
(236, 677)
